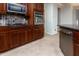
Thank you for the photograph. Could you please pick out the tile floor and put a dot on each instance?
(47, 46)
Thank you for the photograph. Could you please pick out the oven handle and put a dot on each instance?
(68, 33)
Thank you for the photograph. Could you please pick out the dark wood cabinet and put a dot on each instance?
(30, 35)
(3, 42)
(18, 37)
(3, 8)
(11, 37)
(76, 43)
(14, 38)
(39, 7)
(22, 36)
(38, 32)
(76, 49)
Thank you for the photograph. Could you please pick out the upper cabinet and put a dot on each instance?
(39, 7)
(2, 8)
(34, 6)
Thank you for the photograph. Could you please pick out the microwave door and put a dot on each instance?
(16, 8)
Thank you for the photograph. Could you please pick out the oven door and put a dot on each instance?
(38, 19)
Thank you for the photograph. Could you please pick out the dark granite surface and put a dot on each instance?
(71, 27)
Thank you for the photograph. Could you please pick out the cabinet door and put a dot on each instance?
(76, 37)
(3, 42)
(28, 36)
(3, 8)
(38, 32)
(21, 36)
(17, 38)
(39, 7)
(13, 37)
(76, 43)
(41, 31)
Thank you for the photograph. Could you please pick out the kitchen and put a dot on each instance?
(47, 26)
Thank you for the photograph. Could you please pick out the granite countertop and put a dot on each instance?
(72, 27)
(13, 27)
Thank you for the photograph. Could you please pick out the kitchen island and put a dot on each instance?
(69, 40)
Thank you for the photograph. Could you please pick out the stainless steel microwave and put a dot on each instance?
(16, 8)
(38, 18)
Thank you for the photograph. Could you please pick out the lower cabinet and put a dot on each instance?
(4, 42)
(38, 32)
(17, 37)
(30, 35)
(22, 36)
(76, 49)
(14, 38)
(76, 43)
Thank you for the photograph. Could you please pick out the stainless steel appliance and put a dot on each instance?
(66, 41)
(38, 18)
(16, 8)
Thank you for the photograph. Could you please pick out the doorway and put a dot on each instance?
(59, 16)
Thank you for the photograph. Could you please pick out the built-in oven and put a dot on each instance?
(38, 18)
(16, 8)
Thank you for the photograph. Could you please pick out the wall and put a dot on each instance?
(66, 14)
(50, 18)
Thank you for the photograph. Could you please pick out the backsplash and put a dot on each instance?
(12, 19)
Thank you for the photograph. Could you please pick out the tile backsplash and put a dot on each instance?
(12, 19)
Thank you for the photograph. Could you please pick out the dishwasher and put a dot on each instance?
(66, 41)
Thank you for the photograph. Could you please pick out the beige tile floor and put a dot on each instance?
(47, 46)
